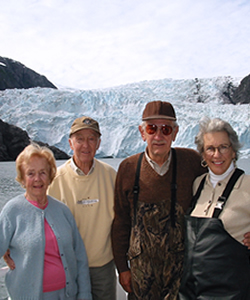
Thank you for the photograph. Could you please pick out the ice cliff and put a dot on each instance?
(46, 114)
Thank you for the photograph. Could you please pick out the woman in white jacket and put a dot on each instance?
(216, 261)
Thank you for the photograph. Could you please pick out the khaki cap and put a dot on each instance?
(84, 123)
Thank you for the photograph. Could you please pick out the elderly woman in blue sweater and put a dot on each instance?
(42, 236)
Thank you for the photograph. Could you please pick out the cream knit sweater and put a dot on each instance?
(91, 200)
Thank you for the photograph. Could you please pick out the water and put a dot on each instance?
(9, 188)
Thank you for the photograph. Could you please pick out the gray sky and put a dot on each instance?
(91, 44)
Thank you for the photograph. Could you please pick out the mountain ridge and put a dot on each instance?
(14, 74)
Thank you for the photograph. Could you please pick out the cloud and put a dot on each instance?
(103, 43)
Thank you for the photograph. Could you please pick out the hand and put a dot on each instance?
(246, 240)
(125, 281)
(9, 261)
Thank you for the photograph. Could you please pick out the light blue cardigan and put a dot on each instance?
(22, 231)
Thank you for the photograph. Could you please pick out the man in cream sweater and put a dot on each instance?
(86, 186)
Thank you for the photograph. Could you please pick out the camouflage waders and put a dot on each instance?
(156, 251)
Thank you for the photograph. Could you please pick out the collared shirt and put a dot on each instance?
(78, 171)
(160, 170)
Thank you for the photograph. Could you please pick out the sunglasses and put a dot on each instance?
(165, 129)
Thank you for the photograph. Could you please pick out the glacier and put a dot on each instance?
(47, 114)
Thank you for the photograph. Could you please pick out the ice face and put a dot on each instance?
(47, 114)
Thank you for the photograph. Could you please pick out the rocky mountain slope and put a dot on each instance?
(13, 75)
(242, 93)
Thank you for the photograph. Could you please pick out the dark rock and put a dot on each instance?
(13, 75)
(242, 93)
(13, 140)
(227, 94)
(57, 152)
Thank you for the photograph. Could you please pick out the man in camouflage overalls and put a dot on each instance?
(152, 191)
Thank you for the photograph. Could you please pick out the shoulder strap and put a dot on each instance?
(173, 189)
(136, 185)
(223, 198)
(196, 196)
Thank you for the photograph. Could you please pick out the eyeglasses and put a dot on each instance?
(223, 149)
(165, 129)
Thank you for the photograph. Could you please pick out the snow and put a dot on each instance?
(47, 114)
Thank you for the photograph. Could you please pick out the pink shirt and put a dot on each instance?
(53, 274)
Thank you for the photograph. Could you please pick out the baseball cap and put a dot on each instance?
(84, 123)
(159, 110)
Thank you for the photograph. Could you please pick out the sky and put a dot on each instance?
(93, 44)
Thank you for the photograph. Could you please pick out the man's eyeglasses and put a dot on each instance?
(223, 149)
(165, 129)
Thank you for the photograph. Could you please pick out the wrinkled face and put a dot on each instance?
(218, 159)
(158, 143)
(36, 177)
(84, 143)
